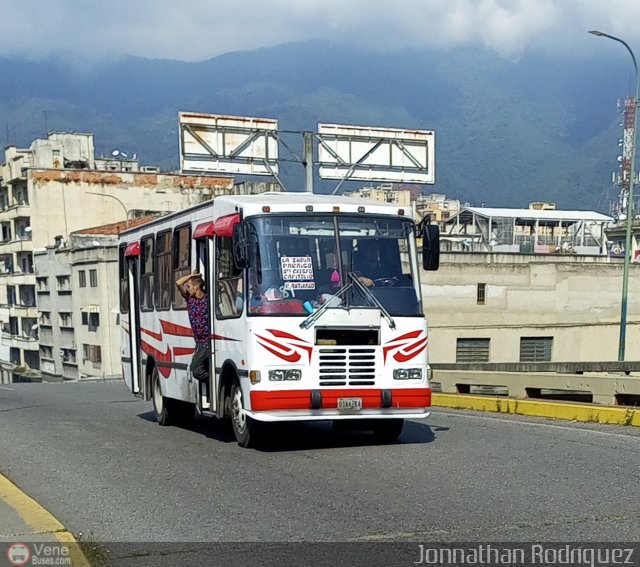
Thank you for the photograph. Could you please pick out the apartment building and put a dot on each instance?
(53, 188)
(78, 303)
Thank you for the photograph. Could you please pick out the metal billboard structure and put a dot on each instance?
(216, 143)
(376, 154)
(228, 144)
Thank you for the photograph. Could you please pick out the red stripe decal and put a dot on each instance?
(290, 355)
(403, 355)
(406, 350)
(160, 356)
(175, 329)
(183, 351)
(152, 334)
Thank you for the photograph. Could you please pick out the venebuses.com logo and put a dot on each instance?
(18, 554)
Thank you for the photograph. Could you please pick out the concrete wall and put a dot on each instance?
(575, 300)
(61, 201)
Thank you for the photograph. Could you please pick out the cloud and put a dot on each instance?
(201, 29)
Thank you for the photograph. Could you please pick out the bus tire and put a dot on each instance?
(387, 430)
(161, 405)
(244, 428)
(182, 413)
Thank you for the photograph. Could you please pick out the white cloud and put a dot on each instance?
(200, 29)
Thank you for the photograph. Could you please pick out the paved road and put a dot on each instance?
(94, 456)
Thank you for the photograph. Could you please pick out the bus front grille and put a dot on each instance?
(347, 366)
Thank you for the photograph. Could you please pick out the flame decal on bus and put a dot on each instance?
(289, 349)
(406, 348)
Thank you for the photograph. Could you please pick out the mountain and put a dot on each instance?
(507, 133)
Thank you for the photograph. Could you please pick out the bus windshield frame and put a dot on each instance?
(300, 261)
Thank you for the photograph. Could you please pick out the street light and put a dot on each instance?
(627, 246)
(126, 211)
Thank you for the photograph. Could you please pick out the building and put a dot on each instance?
(78, 302)
(526, 231)
(489, 307)
(388, 193)
(56, 187)
(437, 206)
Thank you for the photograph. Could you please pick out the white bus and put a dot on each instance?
(300, 329)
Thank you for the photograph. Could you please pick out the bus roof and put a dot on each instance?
(282, 202)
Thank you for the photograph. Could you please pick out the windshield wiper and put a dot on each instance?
(372, 298)
(311, 319)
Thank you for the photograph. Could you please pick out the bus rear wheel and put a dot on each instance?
(387, 430)
(169, 411)
(244, 428)
(160, 406)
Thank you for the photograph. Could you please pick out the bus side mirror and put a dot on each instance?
(431, 247)
(240, 242)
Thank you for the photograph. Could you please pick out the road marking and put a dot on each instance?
(563, 427)
(554, 410)
(5, 388)
(40, 519)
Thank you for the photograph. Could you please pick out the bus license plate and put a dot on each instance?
(350, 404)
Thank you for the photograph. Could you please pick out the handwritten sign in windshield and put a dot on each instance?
(296, 268)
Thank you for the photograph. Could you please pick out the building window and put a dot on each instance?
(82, 278)
(472, 350)
(45, 318)
(11, 295)
(46, 352)
(63, 283)
(481, 294)
(42, 284)
(93, 278)
(66, 319)
(91, 353)
(68, 355)
(536, 349)
(94, 321)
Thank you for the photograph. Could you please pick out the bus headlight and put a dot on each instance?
(407, 374)
(281, 374)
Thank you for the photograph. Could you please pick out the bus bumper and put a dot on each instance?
(323, 404)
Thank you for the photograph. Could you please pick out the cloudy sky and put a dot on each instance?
(191, 30)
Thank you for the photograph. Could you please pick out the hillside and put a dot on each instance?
(507, 133)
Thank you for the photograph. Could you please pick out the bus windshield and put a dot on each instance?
(301, 262)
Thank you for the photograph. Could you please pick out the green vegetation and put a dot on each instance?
(507, 132)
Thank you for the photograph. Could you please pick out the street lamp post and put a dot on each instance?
(126, 211)
(632, 175)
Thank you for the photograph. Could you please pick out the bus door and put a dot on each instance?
(203, 235)
(131, 302)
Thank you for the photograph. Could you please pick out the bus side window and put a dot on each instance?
(228, 281)
(147, 265)
(180, 261)
(164, 285)
(124, 280)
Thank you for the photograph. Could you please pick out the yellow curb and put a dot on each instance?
(554, 410)
(40, 520)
